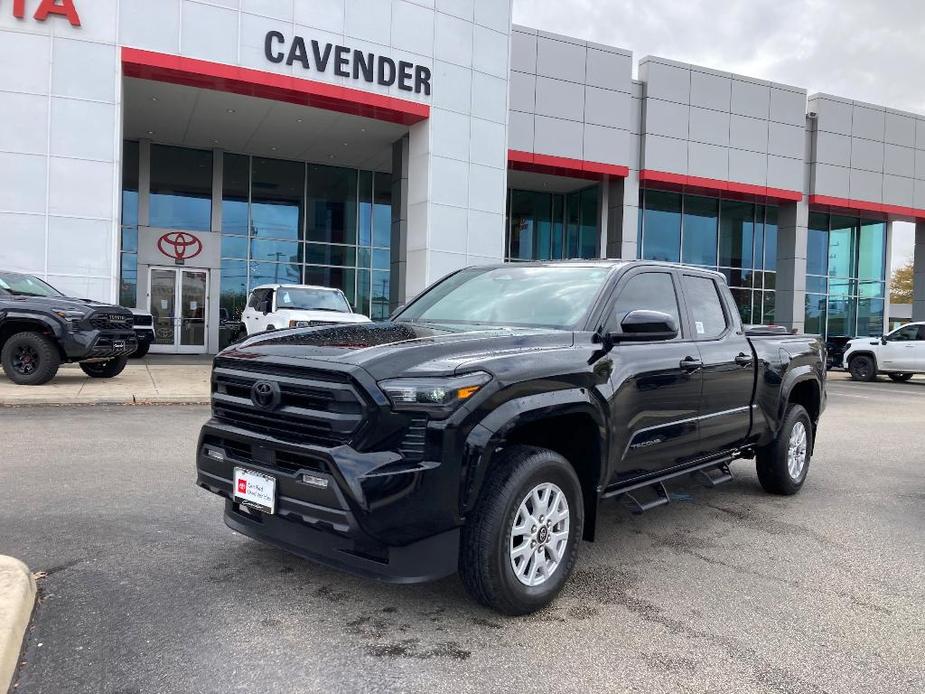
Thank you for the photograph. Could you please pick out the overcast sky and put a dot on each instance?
(866, 50)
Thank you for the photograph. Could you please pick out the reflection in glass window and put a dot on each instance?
(650, 291)
(552, 226)
(661, 226)
(815, 314)
(130, 168)
(235, 193)
(277, 192)
(342, 278)
(700, 224)
(331, 209)
(736, 234)
(843, 238)
(705, 307)
(128, 280)
(181, 188)
(382, 210)
(274, 273)
(871, 251)
(770, 239)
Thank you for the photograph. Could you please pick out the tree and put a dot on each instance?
(901, 284)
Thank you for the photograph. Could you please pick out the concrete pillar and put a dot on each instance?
(399, 241)
(792, 233)
(623, 217)
(918, 298)
(888, 273)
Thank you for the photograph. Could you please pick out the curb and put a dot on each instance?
(141, 400)
(17, 598)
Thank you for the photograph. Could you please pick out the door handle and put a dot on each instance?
(743, 359)
(691, 364)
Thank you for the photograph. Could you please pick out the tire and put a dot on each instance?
(775, 472)
(900, 378)
(30, 359)
(142, 350)
(104, 369)
(486, 563)
(863, 368)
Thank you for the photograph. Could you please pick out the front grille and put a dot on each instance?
(316, 407)
(415, 439)
(142, 321)
(111, 321)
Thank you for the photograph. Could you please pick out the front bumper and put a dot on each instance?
(365, 513)
(98, 344)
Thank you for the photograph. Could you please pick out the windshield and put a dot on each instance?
(549, 297)
(305, 299)
(26, 285)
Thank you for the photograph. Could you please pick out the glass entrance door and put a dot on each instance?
(179, 304)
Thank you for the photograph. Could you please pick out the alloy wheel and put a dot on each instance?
(539, 534)
(796, 451)
(26, 360)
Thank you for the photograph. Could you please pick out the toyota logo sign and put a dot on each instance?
(266, 395)
(179, 245)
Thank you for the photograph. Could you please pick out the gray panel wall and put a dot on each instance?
(702, 122)
(569, 98)
(867, 152)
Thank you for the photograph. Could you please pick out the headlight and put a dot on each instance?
(433, 394)
(67, 314)
(300, 324)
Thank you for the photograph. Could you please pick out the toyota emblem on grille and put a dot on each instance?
(265, 395)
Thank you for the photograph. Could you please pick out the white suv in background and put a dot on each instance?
(899, 354)
(281, 306)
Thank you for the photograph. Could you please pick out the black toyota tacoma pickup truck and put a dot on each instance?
(40, 328)
(481, 427)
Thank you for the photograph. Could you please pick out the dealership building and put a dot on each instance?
(172, 155)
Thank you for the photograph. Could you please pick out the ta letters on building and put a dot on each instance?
(46, 8)
(346, 62)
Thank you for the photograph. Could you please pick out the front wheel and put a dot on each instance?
(104, 369)
(30, 359)
(900, 378)
(862, 368)
(521, 541)
(783, 465)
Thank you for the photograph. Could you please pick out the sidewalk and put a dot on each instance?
(154, 379)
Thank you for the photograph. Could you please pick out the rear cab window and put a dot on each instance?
(705, 307)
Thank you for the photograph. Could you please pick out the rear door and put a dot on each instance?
(656, 385)
(728, 372)
(903, 350)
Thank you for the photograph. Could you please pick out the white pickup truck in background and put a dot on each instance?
(899, 354)
(282, 306)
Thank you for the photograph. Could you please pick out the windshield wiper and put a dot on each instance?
(333, 310)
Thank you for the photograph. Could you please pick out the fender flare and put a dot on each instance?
(52, 325)
(792, 379)
(486, 437)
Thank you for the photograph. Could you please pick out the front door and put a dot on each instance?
(178, 300)
(904, 349)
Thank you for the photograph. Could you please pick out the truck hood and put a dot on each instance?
(63, 302)
(401, 349)
(289, 314)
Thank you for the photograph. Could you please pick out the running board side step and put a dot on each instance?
(661, 498)
(713, 477)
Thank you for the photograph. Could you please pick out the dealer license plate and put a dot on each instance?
(255, 490)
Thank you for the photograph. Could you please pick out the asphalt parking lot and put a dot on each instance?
(726, 589)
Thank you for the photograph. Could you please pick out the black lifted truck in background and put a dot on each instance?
(40, 328)
(479, 429)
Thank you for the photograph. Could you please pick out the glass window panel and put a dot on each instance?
(181, 188)
(382, 210)
(736, 277)
(382, 258)
(327, 254)
(871, 251)
(842, 288)
(129, 184)
(770, 239)
(234, 288)
(699, 236)
(128, 280)
(130, 239)
(770, 280)
(758, 259)
(364, 258)
(557, 232)
(769, 310)
(743, 299)
(841, 318)
(590, 239)
(276, 251)
(277, 188)
(332, 204)
(815, 314)
(364, 286)
(235, 192)
(871, 289)
(530, 225)
(335, 277)
(572, 226)
(234, 247)
(842, 245)
(380, 295)
(736, 234)
(365, 210)
(870, 317)
(274, 273)
(661, 228)
(817, 244)
(816, 285)
(652, 291)
(705, 307)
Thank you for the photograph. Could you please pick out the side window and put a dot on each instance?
(922, 333)
(906, 334)
(705, 306)
(255, 298)
(269, 299)
(651, 291)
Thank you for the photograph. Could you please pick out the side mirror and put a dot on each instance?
(646, 326)
(883, 340)
(264, 307)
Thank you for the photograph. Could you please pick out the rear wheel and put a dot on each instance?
(900, 378)
(862, 368)
(30, 359)
(104, 369)
(142, 350)
(783, 465)
(520, 543)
